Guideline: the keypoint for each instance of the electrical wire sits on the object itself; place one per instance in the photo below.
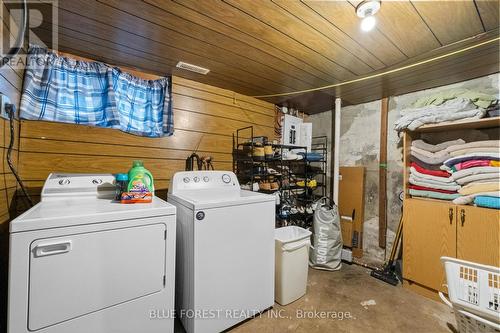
(446, 55)
(10, 111)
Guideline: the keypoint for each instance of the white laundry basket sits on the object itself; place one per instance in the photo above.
(292, 254)
(474, 292)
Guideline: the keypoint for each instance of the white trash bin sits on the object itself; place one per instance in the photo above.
(291, 263)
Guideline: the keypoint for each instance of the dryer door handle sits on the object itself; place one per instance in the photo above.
(49, 249)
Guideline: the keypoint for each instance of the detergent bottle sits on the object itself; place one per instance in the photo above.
(140, 179)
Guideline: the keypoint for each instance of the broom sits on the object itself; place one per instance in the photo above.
(388, 272)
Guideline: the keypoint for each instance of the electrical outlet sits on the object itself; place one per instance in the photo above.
(4, 99)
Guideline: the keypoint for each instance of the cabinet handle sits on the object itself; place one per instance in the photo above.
(450, 215)
(462, 216)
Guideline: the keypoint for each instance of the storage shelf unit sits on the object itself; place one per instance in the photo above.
(433, 228)
(460, 125)
(292, 196)
(320, 145)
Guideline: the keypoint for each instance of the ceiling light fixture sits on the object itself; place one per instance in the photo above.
(366, 10)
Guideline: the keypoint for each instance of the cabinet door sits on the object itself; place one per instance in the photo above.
(429, 232)
(478, 234)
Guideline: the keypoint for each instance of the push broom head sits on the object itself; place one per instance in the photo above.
(387, 275)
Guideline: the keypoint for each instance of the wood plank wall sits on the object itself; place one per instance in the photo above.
(10, 85)
(11, 80)
(205, 117)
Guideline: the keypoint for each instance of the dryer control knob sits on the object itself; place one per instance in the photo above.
(206, 179)
(196, 179)
(64, 181)
(226, 178)
(186, 180)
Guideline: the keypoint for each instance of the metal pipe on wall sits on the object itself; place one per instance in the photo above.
(335, 158)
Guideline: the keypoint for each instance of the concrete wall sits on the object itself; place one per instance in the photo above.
(360, 145)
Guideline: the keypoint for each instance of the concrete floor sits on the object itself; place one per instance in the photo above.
(341, 294)
(396, 309)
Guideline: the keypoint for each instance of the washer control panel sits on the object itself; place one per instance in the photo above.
(64, 185)
(191, 180)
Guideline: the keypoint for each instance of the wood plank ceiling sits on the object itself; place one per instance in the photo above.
(260, 47)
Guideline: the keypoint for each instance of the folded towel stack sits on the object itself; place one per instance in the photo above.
(445, 106)
(455, 170)
(426, 177)
(475, 166)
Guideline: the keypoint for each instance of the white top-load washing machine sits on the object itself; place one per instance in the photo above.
(81, 263)
(225, 250)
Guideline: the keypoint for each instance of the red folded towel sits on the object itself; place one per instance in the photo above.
(423, 188)
(471, 164)
(437, 173)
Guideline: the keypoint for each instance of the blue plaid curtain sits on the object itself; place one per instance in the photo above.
(91, 93)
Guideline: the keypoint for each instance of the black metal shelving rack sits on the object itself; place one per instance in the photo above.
(250, 170)
(319, 145)
(316, 169)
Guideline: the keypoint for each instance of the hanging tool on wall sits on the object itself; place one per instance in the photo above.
(194, 157)
(207, 163)
(201, 163)
(190, 162)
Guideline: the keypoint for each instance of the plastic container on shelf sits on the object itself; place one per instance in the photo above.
(291, 263)
(474, 292)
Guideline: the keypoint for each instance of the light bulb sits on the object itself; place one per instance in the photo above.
(368, 23)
